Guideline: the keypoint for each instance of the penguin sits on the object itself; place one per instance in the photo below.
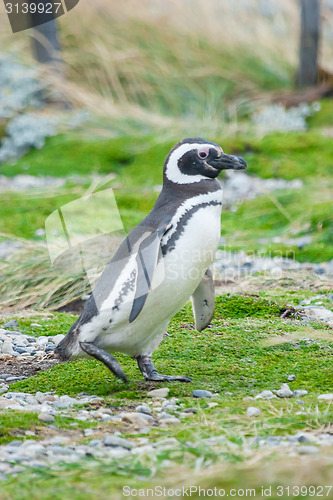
(162, 263)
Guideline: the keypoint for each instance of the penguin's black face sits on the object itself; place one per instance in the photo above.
(195, 159)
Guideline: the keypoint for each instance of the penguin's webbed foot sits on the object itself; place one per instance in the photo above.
(105, 357)
(150, 373)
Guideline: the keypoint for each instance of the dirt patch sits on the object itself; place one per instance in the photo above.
(17, 367)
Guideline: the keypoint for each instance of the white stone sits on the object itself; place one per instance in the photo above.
(307, 450)
(46, 417)
(299, 393)
(7, 348)
(170, 421)
(284, 392)
(326, 397)
(253, 411)
(265, 395)
(134, 418)
(57, 338)
(159, 393)
(117, 441)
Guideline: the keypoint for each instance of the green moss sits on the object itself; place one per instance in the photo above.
(284, 213)
(288, 155)
(287, 214)
(234, 354)
(51, 324)
(238, 306)
(13, 423)
(66, 155)
(323, 117)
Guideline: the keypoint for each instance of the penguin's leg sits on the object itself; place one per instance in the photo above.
(106, 358)
(149, 371)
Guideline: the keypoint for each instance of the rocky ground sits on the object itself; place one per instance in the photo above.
(64, 430)
(55, 446)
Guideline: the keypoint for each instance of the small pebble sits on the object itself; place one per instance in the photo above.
(284, 392)
(46, 417)
(135, 418)
(11, 324)
(291, 378)
(326, 397)
(159, 393)
(117, 441)
(307, 450)
(253, 411)
(143, 409)
(200, 393)
(299, 393)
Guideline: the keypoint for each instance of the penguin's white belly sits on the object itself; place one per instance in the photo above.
(176, 277)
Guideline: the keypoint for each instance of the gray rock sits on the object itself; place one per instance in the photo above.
(11, 324)
(58, 405)
(143, 409)
(89, 432)
(95, 442)
(303, 439)
(117, 441)
(168, 443)
(326, 397)
(14, 444)
(37, 464)
(163, 415)
(291, 378)
(284, 392)
(135, 418)
(265, 395)
(159, 393)
(46, 417)
(57, 338)
(7, 348)
(170, 421)
(200, 393)
(307, 450)
(299, 393)
(253, 411)
(20, 350)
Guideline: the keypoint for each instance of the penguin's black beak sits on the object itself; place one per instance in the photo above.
(228, 162)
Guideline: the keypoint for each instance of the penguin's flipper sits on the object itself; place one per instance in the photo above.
(203, 301)
(146, 260)
(106, 358)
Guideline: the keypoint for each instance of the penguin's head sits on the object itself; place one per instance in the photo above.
(195, 159)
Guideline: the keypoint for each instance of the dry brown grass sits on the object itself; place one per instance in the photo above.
(152, 61)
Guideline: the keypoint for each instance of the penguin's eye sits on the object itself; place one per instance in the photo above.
(203, 153)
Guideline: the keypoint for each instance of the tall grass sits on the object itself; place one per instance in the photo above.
(141, 62)
(159, 62)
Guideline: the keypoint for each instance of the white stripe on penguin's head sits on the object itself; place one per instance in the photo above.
(172, 169)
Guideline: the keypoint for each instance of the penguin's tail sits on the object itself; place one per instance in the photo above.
(69, 346)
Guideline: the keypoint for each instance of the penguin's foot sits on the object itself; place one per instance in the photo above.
(149, 372)
(106, 358)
